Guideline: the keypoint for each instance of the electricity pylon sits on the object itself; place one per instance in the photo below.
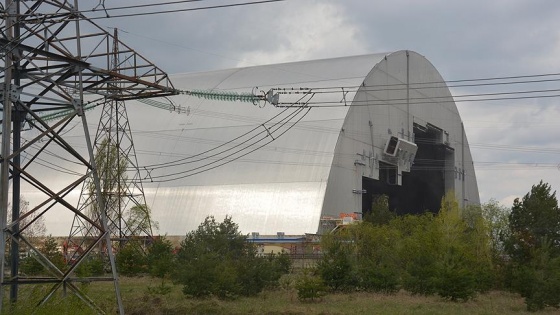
(55, 60)
(121, 185)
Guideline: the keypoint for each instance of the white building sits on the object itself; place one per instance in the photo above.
(362, 126)
(332, 161)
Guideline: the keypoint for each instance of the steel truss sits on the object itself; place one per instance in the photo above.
(56, 60)
(128, 216)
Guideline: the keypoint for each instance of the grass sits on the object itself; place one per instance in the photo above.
(138, 300)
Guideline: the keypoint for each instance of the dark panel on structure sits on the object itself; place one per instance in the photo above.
(422, 188)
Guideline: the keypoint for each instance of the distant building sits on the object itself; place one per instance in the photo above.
(378, 124)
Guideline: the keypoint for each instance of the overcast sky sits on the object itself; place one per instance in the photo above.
(463, 39)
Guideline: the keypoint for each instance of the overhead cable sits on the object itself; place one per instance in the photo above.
(181, 10)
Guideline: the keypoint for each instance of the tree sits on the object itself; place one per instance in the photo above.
(310, 287)
(492, 221)
(533, 221)
(111, 168)
(419, 252)
(533, 245)
(52, 252)
(216, 259)
(130, 260)
(464, 257)
(539, 280)
(139, 219)
(380, 212)
(336, 267)
(92, 265)
(496, 218)
(160, 260)
(36, 229)
(30, 265)
(447, 254)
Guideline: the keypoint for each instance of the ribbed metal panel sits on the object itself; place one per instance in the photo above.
(309, 171)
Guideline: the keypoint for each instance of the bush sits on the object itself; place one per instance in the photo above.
(160, 258)
(448, 254)
(419, 253)
(539, 282)
(217, 260)
(309, 287)
(379, 278)
(258, 273)
(30, 266)
(421, 274)
(131, 261)
(456, 284)
(335, 267)
(51, 251)
(92, 266)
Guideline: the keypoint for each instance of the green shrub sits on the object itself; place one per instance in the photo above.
(217, 260)
(336, 270)
(160, 258)
(421, 275)
(131, 261)
(51, 251)
(539, 283)
(456, 284)
(30, 266)
(379, 278)
(310, 287)
(419, 253)
(91, 266)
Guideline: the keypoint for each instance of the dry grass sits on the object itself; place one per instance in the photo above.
(139, 301)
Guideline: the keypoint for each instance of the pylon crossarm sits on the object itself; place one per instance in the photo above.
(133, 72)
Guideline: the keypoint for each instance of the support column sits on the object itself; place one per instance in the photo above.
(6, 140)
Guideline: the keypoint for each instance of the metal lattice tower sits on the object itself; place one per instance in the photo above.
(121, 185)
(56, 61)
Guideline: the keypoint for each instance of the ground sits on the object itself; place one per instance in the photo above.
(137, 300)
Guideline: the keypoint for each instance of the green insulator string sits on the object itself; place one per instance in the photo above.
(52, 115)
(223, 96)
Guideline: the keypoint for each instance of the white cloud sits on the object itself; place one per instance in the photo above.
(313, 30)
(507, 201)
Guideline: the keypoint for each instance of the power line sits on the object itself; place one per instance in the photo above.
(270, 132)
(182, 10)
(144, 5)
(418, 101)
(429, 85)
(224, 160)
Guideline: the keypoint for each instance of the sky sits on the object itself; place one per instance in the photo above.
(463, 40)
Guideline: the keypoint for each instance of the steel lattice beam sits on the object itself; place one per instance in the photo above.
(56, 60)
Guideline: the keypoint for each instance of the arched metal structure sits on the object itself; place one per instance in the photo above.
(326, 145)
